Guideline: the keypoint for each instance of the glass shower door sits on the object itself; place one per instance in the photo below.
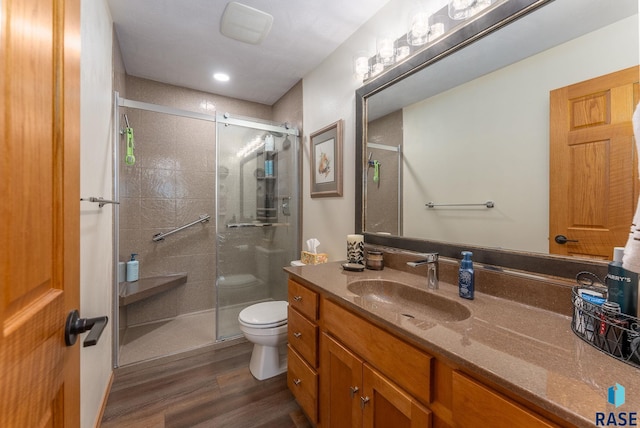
(257, 216)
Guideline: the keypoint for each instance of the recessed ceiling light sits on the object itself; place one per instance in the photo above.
(221, 77)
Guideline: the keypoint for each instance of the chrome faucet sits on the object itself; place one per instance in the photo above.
(431, 260)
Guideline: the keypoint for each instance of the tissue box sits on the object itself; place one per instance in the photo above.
(313, 258)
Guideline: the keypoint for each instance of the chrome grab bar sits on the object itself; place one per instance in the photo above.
(234, 225)
(101, 202)
(488, 204)
(160, 236)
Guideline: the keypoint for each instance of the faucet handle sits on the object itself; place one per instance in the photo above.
(431, 257)
(428, 258)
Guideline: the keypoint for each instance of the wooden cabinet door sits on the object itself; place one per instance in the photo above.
(39, 211)
(386, 405)
(592, 166)
(340, 385)
(477, 405)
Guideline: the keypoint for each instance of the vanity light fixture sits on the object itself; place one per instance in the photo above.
(418, 33)
(386, 49)
(375, 65)
(207, 105)
(361, 65)
(463, 9)
(255, 144)
(437, 26)
(402, 49)
(425, 26)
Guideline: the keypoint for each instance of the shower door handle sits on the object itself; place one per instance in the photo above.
(286, 210)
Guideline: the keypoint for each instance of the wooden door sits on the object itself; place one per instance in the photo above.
(340, 385)
(39, 211)
(387, 406)
(593, 164)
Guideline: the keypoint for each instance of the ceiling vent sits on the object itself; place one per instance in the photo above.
(244, 23)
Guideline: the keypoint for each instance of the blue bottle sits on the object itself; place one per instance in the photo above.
(465, 276)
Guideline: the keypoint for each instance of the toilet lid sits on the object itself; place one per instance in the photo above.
(265, 314)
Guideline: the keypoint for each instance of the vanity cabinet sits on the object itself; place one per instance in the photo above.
(302, 348)
(346, 371)
(474, 404)
(354, 394)
(368, 376)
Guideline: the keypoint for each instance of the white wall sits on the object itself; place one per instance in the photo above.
(95, 223)
(489, 140)
(329, 95)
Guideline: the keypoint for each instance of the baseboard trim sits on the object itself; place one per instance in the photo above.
(105, 398)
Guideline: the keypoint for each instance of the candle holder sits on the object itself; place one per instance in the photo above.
(355, 249)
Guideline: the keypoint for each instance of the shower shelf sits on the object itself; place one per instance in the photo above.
(131, 292)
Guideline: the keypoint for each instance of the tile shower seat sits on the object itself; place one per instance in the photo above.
(131, 292)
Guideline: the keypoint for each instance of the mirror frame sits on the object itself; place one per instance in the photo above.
(462, 36)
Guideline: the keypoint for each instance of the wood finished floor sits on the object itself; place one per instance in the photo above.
(210, 389)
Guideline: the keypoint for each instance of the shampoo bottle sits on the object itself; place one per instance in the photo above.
(269, 143)
(465, 276)
(622, 284)
(132, 269)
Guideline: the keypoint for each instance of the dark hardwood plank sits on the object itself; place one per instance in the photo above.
(209, 389)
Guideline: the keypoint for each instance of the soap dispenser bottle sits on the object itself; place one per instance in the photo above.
(466, 276)
(132, 269)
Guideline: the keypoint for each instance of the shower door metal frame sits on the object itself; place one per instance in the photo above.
(227, 119)
(156, 108)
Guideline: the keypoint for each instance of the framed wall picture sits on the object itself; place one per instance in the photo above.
(326, 161)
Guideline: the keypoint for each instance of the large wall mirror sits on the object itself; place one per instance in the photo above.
(467, 120)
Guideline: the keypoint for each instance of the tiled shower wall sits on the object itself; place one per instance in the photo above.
(171, 184)
(382, 197)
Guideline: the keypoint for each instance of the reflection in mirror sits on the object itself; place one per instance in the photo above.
(474, 126)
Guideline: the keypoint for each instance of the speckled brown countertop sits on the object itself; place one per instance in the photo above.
(528, 350)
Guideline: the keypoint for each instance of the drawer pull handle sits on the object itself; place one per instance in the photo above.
(297, 382)
(297, 335)
(363, 401)
(353, 390)
(297, 298)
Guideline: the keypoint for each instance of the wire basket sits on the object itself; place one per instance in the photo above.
(611, 332)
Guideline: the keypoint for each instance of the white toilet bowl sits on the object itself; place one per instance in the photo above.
(265, 325)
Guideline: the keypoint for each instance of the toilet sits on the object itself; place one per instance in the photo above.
(265, 325)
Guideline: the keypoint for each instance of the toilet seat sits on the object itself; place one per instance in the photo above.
(264, 315)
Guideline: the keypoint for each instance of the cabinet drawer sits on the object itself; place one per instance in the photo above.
(303, 300)
(409, 367)
(476, 405)
(303, 383)
(303, 337)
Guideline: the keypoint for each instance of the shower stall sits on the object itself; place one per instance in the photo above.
(210, 205)
(257, 212)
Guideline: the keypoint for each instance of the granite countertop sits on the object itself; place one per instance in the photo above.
(530, 351)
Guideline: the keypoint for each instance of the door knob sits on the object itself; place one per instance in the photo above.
(561, 239)
(76, 326)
